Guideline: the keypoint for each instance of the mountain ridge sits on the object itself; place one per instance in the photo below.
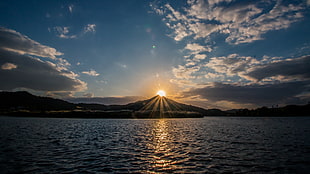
(22, 101)
(25, 104)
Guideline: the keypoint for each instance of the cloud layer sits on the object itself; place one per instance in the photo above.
(297, 68)
(234, 77)
(258, 82)
(13, 41)
(239, 21)
(22, 66)
(268, 94)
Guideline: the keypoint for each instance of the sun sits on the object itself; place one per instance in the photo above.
(161, 93)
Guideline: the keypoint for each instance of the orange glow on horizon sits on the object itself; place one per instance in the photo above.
(161, 93)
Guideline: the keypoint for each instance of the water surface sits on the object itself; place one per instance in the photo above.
(200, 145)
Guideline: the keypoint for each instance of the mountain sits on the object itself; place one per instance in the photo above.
(25, 104)
(24, 100)
(154, 104)
(14, 103)
(289, 110)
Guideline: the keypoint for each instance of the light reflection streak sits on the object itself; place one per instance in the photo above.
(161, 157)
(165, 154)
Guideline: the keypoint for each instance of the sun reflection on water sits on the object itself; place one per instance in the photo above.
(162, 157)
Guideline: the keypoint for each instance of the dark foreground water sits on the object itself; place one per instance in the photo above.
(204, 145)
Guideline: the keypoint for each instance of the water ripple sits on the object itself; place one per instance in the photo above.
(206, 145)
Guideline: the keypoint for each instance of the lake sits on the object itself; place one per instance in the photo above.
(198, 145)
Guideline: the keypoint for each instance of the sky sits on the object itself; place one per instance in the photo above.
(214, 54)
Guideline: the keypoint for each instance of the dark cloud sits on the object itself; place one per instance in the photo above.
(282, 93)
(20, 70)
(296, 68)
(35, 74)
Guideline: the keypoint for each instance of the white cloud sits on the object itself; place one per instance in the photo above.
(183, 72)
(90, 28)
(200, 22)
(241, 21)
(202, 30)
(63, 62)
(183, 82)
(70, 7)
(213, 76)
(8, 66)
(63, 32)
(199, 57)
(91, 73)
(13, 41)
(196, 48)
(231, 65)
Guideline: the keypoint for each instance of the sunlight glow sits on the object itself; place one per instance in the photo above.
(161, 93)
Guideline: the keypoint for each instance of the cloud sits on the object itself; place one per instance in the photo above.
(59, 94)
(199, 57)
(21, 70)
(202, 24)
(36, 74)
(214, 76)
(63, 32)
(281, 93)
(88, 95)
(91, 73)
(231, 65)
(13, 41)
(297, 68)
(239, 21)
(177, 22)
(183, 72)
(70, 7)
(279, 17)
(90, 28)
(8, 66)
(196, 48)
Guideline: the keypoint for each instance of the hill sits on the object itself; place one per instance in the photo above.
(14, 103)
(25, 104)
(24, 100)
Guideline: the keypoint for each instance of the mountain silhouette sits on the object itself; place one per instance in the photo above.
(25, 104)
(19, 102)
(27, 101)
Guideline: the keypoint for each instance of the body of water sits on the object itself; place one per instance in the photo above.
(200, 145)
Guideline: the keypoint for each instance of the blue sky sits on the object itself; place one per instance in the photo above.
(216, 54)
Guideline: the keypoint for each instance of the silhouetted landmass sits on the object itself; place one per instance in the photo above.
(290, 110)
(27, 105)
(24, 100)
